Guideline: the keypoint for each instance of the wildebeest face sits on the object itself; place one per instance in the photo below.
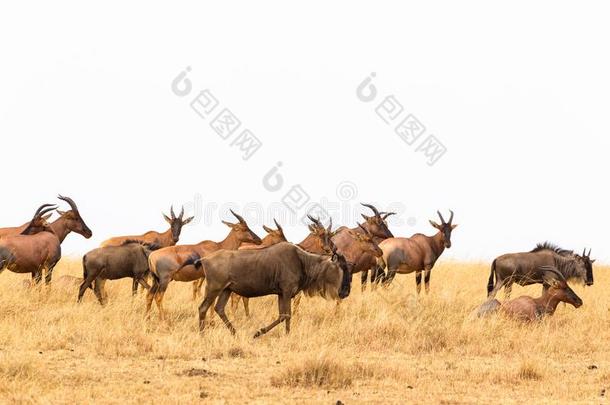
(587, 263)
(445, 228)
(346, 279)
(176, 223)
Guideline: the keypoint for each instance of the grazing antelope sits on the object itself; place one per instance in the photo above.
(283, 269)
(176, 262)
(377, 227)
(35, 249)
(417, 253)
(113, 263)
(273, 237)
(161, 239)
(524, 268)
(530, 309)
(16, 230)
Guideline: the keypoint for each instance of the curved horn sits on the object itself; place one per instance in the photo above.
(46, 210)
(441, 217)
(330, 226)
(171, 212)
(182, 213)
(372, 208)
(239, 218)
(42, 207)
(451, 217)
(314, 220)
(279, 228)
(387, 214)
(552, 269)
(69, 201)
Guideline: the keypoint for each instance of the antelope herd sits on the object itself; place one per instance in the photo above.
(243, 266)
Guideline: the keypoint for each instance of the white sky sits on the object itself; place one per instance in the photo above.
(518, 94)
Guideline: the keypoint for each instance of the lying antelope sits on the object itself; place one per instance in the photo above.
(176, 262)
(530, 309)
(283, 269)
(524, 268)
(417, 253)
(273, 237)
(160, 239)
(35, 252)
(113, 263)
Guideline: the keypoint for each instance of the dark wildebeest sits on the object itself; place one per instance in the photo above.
(524, 268)
(161, 239)
(526, 308)
(273, 237)
(377, 227)
(283, 270)
(113, 263)
(35, 249)
(417, 253)
(16, 230)
(174, 262)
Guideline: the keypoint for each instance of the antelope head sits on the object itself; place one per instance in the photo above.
(242, 231)
(273, 235)
(74, 221)
(176, 223)
(377, 225)
(366, 241)
(39, 221)
(559, 288)
(445, 228)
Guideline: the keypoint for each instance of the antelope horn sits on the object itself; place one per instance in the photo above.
(239, 218)
(42, 207)
(46, 210)
(451, 217)
(589, 255)
(182, 213)
(330, 226)
(69, 201)
(584, 252)
(171, 212)
(366, 231)
(387, 214)
(314, 220)
(279, 228)
(441, 216)
(552, 269)
(372, 208)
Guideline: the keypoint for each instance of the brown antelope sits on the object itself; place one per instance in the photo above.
(530, 309)
(161, 239)
(524, 268)
(176, 262)
(16, 230)
(377, 227)
(319, 240)
(283, 269)
(273, 237)
(417, 253)
(35, 249)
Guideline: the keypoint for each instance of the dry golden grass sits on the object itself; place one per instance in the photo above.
(384, 346)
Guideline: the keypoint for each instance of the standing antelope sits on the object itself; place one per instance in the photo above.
(417, 253)
(524, 268)
(160, 239)
(35, 249)
(273, 237)
(176, 262)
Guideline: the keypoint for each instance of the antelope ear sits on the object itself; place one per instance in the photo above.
(167, 219)
(187, 221)
(454, 226)
(434, 224)
(230, 225)
(267, 229)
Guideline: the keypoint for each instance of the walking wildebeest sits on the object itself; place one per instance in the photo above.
(35, 249)
(283, 269)
(113, 263)
(175, 262)
(164, 239)
(526, 308)
(417, 253)
(273, 237)
(16, 230)
(377, 227)
(524, 268)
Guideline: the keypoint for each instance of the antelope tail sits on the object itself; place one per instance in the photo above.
(490, 283)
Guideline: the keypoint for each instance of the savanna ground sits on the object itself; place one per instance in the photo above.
(383, 346)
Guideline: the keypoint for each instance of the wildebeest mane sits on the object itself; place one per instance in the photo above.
(552, 247)
(147, 245)
(314, 281)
